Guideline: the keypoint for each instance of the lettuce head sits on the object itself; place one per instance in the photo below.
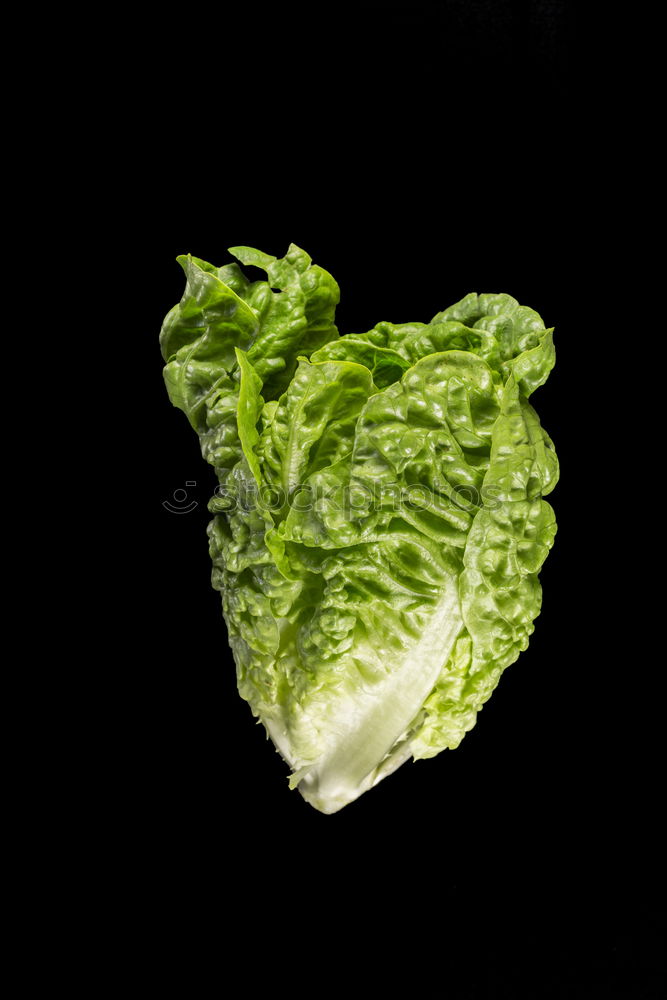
(379, 523)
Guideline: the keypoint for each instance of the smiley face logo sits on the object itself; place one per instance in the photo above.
(180, 504)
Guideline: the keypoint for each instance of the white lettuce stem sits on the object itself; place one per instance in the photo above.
(369, 725)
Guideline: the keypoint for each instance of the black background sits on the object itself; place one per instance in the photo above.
(417, 152)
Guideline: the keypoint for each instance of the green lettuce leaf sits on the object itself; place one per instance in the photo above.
(295, 308)
(221, 312)
(509, 337)
(379, 524)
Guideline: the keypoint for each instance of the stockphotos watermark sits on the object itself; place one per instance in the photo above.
(180, 502)
(354, 500)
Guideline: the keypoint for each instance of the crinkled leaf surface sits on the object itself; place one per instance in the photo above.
(380, 520)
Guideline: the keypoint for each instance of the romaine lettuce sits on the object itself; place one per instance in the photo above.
(379, 523)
